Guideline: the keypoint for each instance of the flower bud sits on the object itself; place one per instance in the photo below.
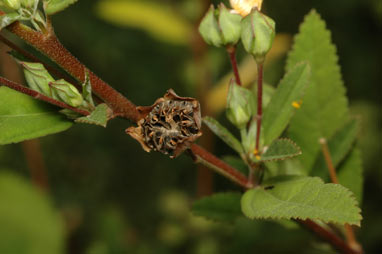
(257, 34)
(12, 4)
(66, 92)
(220, 27)
(240, 105)
(37, 77)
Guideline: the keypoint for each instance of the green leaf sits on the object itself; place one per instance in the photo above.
(325, 107)
(281, 149)
(219, 207)
(22, 117)
(155, 18)
(87, 89)
(281, 108)
(339, 146)
(223, 133)
(29, 223)
(299, 197)
(350, 173)
(99, 116)
(53, 6)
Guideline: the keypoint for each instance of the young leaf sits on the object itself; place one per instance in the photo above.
(223, 133)
(99, 116)
(281, 149)
(339, 146)
(9, 18)
(29, 222)
(299, 197)
(53, 6)
(325, 106)
(350, 173)
(22, 117)
(87, 89)
(220, 206)
(281, 108)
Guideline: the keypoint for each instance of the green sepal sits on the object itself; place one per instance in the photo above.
(281, 149)
(223, 134)
(99, 116)
(230, 26)
(209, 29)
(66, 92)
(257, 34)
(53, 6)
(240, 105)
(12, 4)
(87, 90)
(9, 18)
(37, 77)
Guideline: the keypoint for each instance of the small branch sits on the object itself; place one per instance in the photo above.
(200, 155)
(259, 115)
(328, 159)
(35, 162)
(39, 96)
(349, 233)
(232, 57)
(328, 236)
(48, 44)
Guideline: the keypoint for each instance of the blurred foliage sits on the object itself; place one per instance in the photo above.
(115, 197)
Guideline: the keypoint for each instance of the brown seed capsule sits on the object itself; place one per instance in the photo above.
(169, 126)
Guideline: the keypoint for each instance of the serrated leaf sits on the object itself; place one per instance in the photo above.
(299, 197)
(23, 117)
(325, 106)
(350, 173)
(29, 223)
(99, 116)
(281, 149)
(223, 133)
(339, 146)
(220, 206)
(280, 109)
(53, 6)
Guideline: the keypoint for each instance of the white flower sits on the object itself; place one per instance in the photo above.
(244, 7)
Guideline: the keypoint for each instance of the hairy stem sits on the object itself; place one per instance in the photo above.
(349, 233)
(200, 155)
(48, 44)
(39, 96)
(259, 115)
(232, 57)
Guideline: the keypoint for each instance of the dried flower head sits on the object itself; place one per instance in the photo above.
(169, 126)
(244, 7)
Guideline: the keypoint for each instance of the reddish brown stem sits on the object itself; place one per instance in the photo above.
(202, 156)
(35, 162)
(349, 233)
(232, 57)
(329, 237)
(39, 96)
(259, 115)
(49, 45)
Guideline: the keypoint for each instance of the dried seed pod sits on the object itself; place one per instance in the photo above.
(169, 126)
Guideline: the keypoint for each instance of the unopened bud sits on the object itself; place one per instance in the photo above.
(257, 34)
(240, 105)
(220, 27)
(37, 77)
(66, 92)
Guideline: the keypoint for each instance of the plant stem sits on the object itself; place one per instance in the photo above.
(200, 155)
(259, 115)
(231, 49)
(48, 44)
(329, 237)
(39, 96)
(349, 233)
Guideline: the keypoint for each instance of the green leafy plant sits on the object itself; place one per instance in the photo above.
(305, 124)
